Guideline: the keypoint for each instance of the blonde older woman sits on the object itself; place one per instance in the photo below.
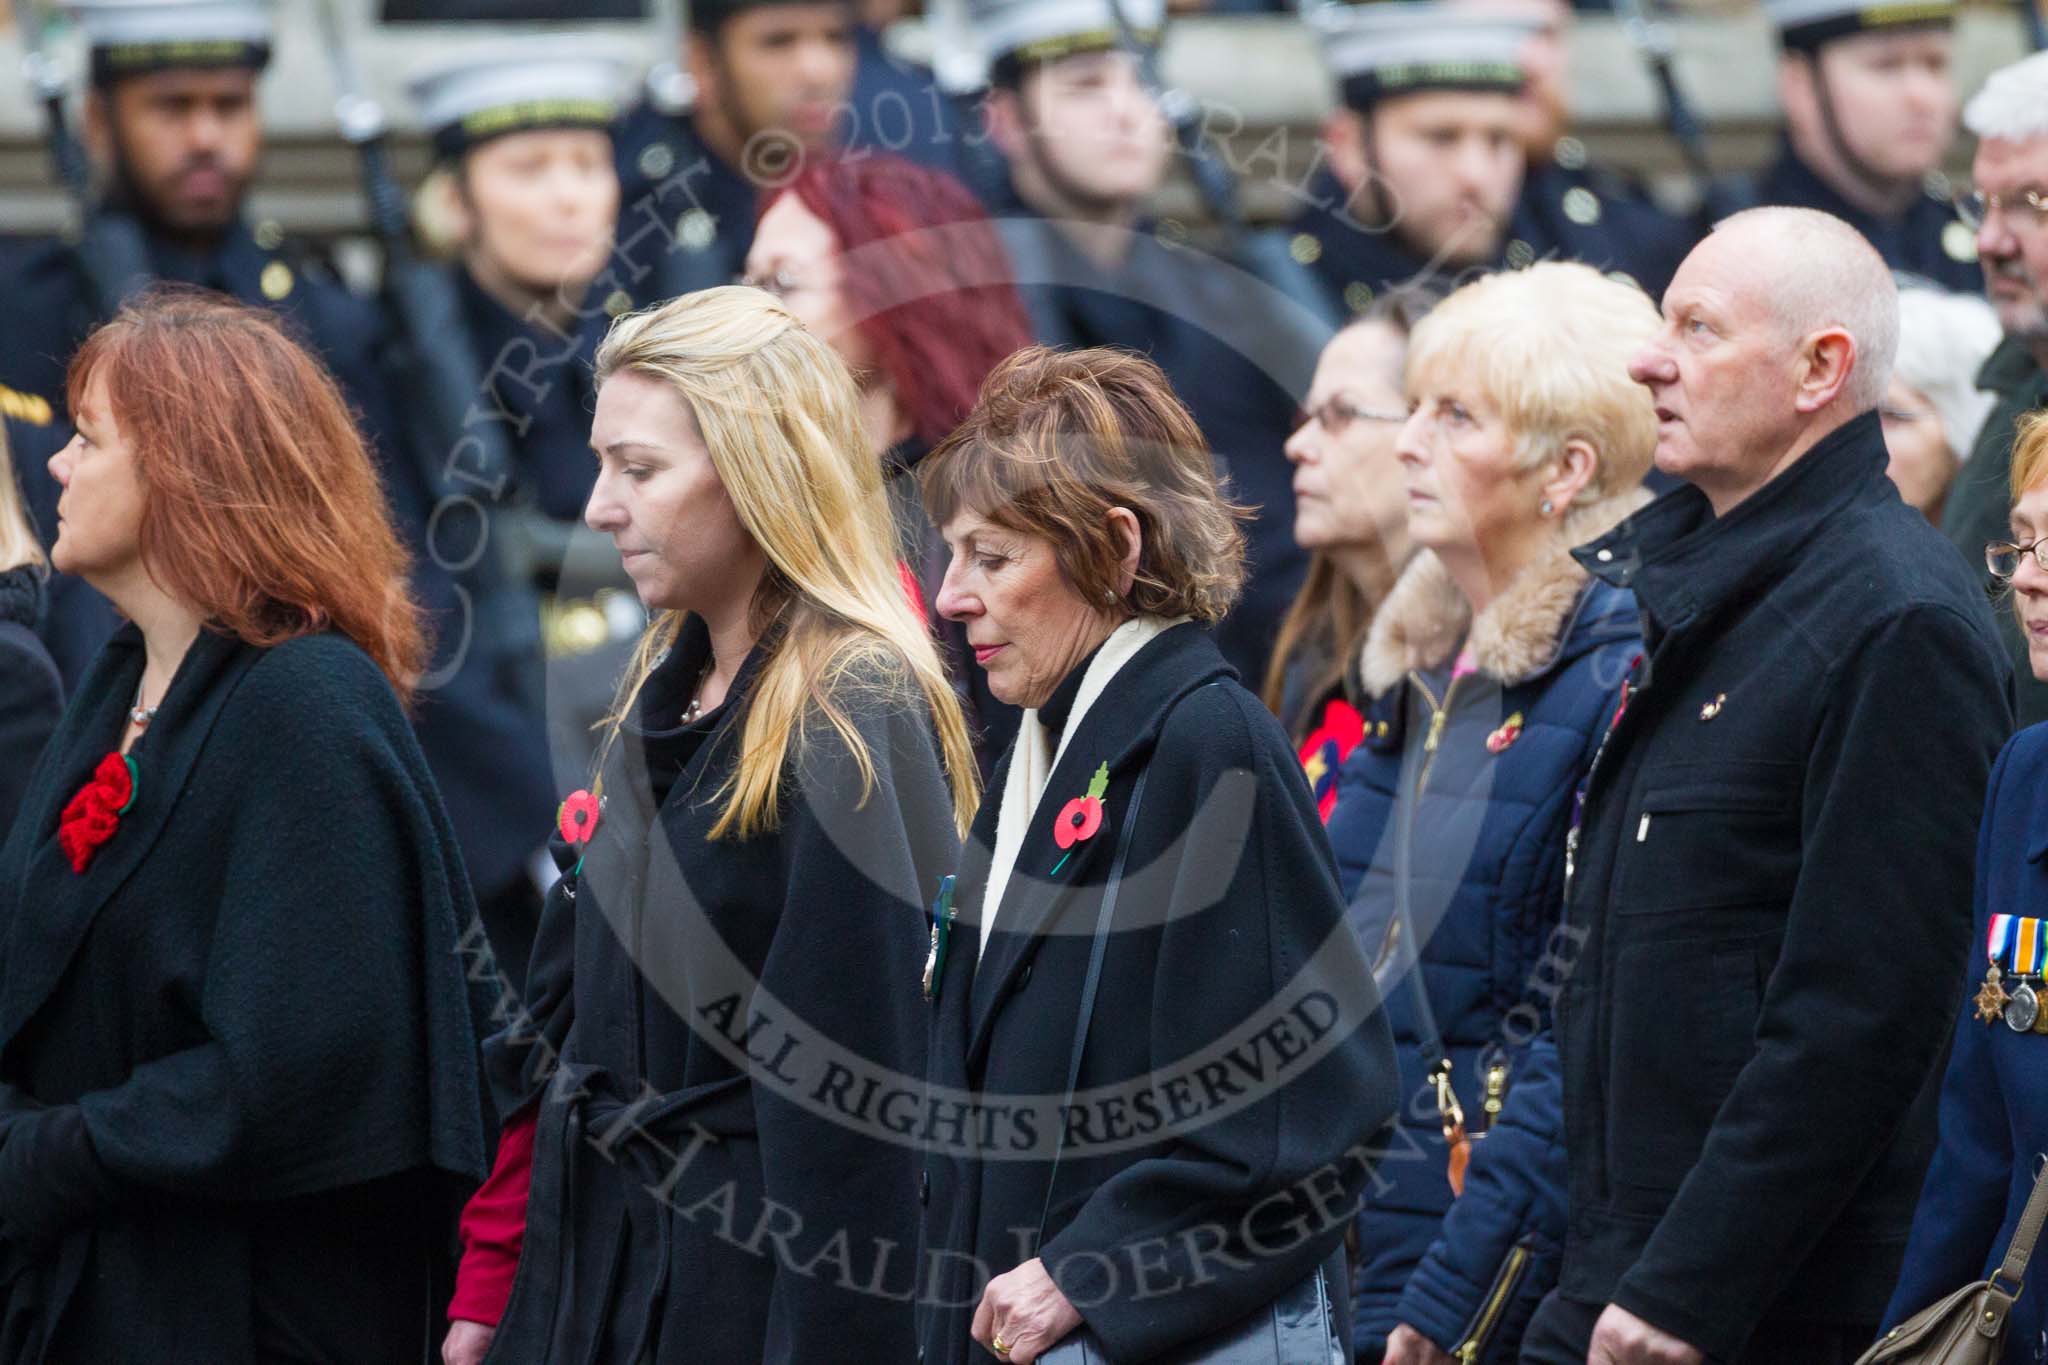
(1491, 669)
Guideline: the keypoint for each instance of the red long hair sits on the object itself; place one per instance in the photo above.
(263, 510)
(931, 285)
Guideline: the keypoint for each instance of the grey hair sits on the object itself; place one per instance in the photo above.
(1824, 273)
(1944, 339)
(2013, 105)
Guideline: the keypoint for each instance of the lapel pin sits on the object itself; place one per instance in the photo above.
(1510, 730)
(92, 816)
(1713, 708)
(943, 915)
(1081, 817)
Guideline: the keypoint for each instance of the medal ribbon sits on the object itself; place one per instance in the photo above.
(2018, 943)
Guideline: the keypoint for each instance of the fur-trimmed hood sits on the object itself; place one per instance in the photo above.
(1518, 634)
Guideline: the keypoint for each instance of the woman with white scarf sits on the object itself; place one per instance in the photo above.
(1157, 1060)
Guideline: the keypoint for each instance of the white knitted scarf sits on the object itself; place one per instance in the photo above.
(1033, 758)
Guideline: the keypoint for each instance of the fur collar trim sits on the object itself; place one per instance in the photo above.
(1515, 637)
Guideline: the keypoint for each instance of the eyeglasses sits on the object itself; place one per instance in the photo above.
(2026, 208)
(2004, 559)
(1334, 415)
(780, 283)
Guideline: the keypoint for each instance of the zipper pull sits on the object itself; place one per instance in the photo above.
(1643, 829)
(1496, 1091)
(1436, 729)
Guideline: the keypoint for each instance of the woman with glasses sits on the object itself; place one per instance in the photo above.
(1994, 1100)
(1491, 670)
(1351, 515)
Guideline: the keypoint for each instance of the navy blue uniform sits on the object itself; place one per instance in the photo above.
(1354, 262)
(1928, 239)
(1198, 320)
(898, 108)
(483, 720)
(1994, 1109)
(686, 217)
(1572, 210)
(51, 312)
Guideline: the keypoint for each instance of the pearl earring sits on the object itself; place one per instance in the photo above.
(1547, 507)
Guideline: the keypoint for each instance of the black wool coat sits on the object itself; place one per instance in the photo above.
(707, 1026)
(1238, 1066)
(31, 693)
(1771, 889)
(240, 1085)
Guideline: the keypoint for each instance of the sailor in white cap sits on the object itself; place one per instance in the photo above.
(1088, 147)
(1422, 159)
(1870, 113)
(172, 124)
(522, 134)
(1572, 207)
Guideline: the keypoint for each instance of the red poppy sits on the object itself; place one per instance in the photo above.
(91, 817)
(1079, 819)
(577, 818)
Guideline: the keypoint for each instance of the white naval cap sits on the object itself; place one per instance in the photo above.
(1397, 47)
(1044, 30)
(127, 37)
(1806, 24)
(513, 85)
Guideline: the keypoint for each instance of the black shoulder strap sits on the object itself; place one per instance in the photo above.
(1089, 984)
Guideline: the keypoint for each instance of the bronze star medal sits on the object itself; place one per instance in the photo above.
(1991, 997)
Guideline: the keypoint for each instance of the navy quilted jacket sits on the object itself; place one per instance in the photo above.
(1462, 792)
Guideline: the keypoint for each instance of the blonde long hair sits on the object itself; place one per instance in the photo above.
(18, 543)
(779, 414)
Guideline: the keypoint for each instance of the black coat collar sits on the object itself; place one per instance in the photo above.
(1120, 729)
(42, 943)
(1684, 563)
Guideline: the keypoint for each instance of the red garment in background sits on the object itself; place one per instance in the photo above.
(1326, 748)
(493, 1226)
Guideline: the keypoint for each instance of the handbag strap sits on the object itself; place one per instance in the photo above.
(1089, 984)
(2021, 1248)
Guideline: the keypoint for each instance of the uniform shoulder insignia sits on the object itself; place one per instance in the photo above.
(31, 408)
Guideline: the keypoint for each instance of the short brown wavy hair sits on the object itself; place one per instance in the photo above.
(1059, 438)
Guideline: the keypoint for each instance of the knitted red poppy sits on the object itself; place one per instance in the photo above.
(92, 816)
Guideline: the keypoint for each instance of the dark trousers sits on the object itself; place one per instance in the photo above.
(1562, 1332)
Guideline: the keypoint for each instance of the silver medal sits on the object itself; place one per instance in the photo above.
(2023, 1009)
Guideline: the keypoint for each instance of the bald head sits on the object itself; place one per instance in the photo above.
(1815, 272)
(1778, 328)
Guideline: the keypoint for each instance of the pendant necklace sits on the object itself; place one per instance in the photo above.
(139, 715)
(696, 706)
